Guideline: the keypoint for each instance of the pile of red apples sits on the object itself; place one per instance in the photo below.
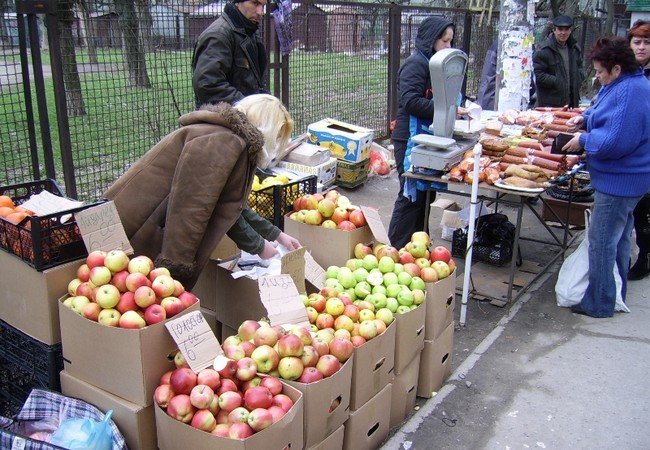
(332, 210)
(119, 291)
(233, 402)
(291, 353)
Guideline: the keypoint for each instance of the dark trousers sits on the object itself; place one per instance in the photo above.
(642, 225)
(408, 216)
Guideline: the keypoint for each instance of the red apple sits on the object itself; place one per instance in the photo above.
(163, 285)
(119, 280)
(290, 345)
(222, 430)
(283, 401)
(100, 275)
(230, 400)
(248, 384)
(273, 384)
(225, 366)
(248, 348)
(141, 264)
(310, 375)
(246, 369)
(91, 311)
(95, 259)
(240, 431)
(429, 274)
(126, 303)
(309, 356)
(83, 272)
(340, 215)
(346, 225)
(290, 368)
(164, 379)
(162, 395)
(265, 336)
(172, 306)
(258, 397)
(183, 380)
(109, 317)
(238, 415)
(357, 218)
(328, 365)
(226, 385)
(116, 260)
(440, 253)
(259, 419)
(342, 349)
(357, 341)
(247, 329)
(180, 408)
(144, 296)
(201, 396)
(154, 314)
(188, 299)
(135, 280)
(277, 413)
(131, 320)
(204, 420)
(209, 377)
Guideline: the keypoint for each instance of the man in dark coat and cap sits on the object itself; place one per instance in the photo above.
(557, 64)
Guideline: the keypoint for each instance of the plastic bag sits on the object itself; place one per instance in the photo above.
(379, 160)
(573, 278)
(84, 434)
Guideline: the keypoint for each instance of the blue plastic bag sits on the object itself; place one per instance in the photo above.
(85, 434)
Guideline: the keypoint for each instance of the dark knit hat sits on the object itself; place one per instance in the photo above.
(238, 1)
(563, 21)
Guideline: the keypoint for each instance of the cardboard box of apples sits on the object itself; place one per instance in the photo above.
(231, 407)
(112, 323)
(318, 365)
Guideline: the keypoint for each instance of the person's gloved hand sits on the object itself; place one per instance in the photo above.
(269, 251)
(290, 243)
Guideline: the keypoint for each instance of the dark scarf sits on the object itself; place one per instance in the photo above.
(257, 52)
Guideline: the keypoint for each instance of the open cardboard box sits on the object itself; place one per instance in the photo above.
(440, 302)
(136, 423)
(374, 364)
(327, 404)
(435, 364)
(344, 140)
(405, 386)
(238, 299)
(127, 363)
(286, 433)
(409, 336)
(368, 426)
(29, 299)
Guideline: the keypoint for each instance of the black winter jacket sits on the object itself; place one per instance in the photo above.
(554, 86)
(413, 81)
(228, 63)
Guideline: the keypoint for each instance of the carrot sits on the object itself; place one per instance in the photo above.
(513, 159)
(517, 151)
(549, 156)
(555, 127)
(565, 114)
(546, 163)
(535, 145)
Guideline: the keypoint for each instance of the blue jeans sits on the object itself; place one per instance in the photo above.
(609, 242)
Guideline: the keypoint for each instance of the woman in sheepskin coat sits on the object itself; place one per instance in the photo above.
(178, 200)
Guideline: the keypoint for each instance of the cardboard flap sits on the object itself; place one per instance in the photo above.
(195, 340)
(293, 264)
(101, 228)
(314, 273)
(375, 224)
(345, 127)
(280, 297)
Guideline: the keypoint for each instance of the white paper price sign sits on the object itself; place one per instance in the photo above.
(195, 340)
(101, 228)
(375, 224)
(314, 273)
(280, 297)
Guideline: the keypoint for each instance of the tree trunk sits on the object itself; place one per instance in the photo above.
(73, 95)
(133, 53)
(515, 54)
(146, 24)
(5, 39)
(87, 30)
(609, 22)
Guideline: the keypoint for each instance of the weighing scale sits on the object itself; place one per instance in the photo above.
(440, 151)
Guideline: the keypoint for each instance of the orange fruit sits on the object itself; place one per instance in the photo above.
(25, 210)
(6, 210)
(16, 217)
(5, 200)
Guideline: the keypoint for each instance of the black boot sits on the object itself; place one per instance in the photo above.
(641, 267)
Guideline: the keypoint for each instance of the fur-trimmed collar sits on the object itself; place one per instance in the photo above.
(225, 115)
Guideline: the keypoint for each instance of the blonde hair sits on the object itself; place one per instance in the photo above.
(268, 115)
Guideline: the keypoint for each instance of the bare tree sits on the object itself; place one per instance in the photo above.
(73, 95)
(86, 26)
(133, 52)
(146, 23)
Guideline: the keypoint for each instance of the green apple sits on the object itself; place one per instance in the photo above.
(360, 274)
(362, 289)
(390, 278)
(405, 298)
(385, 315)
(404, 278)
(392, 304)
(370, 262)
(386, 264)
(346, 278)
(399, 268)
(417, 283)
(402, 309)
(332, 272)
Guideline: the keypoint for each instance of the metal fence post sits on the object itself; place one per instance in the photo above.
(394, 53)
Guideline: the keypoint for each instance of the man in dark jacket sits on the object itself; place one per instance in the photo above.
(230, 60)
(557, 64)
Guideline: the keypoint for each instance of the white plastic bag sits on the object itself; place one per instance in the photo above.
(573, 278)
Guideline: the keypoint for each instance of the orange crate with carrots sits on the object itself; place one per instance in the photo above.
(41, 241)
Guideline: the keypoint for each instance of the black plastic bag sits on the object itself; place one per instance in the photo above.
(494, 229)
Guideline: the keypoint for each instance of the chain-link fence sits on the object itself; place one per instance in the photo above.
(116, 76)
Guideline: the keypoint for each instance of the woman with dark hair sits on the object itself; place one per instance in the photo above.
(616, 142)
(639, 38)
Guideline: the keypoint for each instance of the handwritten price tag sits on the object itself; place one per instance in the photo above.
(101, 228)
(280, 297)
(195, 340)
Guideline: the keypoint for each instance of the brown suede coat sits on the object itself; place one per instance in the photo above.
(184, 194)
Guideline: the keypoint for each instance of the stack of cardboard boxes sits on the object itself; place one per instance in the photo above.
(350, 144)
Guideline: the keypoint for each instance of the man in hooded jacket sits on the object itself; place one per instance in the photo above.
(414, 115)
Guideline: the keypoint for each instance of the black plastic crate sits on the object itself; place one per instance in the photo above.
(42, 241)
(26, 363)
(274, 202)
(498, 254)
